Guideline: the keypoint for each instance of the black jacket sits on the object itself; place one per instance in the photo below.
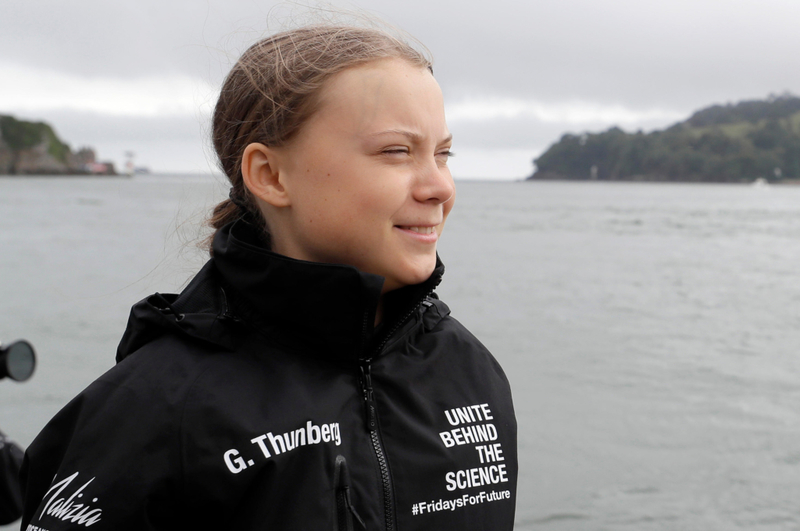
(262, 398)
(10, 495)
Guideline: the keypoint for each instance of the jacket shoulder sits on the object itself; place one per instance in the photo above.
(119, 442)
(439, 320)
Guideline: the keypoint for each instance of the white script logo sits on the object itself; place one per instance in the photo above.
(65, 508)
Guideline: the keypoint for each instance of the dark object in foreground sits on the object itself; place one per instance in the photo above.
(17, 361)
(10, 492)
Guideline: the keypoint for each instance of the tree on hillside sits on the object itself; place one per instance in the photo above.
(20, 135)
(720, 143)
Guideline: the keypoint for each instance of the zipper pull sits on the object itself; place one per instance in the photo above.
(369, 402)
(346, 515)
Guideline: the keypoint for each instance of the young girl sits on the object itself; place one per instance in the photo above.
(308, 377)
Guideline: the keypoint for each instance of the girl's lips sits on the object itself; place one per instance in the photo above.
(421, 230)
(425, 233)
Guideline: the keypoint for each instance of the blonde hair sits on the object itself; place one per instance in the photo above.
(274, 88)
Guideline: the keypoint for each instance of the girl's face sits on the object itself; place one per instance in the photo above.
(367, 178)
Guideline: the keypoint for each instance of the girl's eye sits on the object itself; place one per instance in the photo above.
(443, 156)
(395, 151)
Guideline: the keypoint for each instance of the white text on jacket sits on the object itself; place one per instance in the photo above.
(473, 428)
(65, 508)
(270, 444)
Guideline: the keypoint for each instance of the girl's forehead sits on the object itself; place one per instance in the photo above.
(381, 93)
(387, 78)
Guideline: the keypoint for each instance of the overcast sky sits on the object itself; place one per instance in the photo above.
(516, 74)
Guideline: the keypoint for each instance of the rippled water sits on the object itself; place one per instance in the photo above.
(650, 331)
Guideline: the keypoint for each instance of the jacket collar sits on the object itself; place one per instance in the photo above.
(325, 307)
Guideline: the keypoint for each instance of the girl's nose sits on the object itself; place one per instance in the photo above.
(435, 184)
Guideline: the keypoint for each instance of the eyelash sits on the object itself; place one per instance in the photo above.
(447, 153)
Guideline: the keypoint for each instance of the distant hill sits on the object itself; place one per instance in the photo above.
(721, 143)
(30, 148)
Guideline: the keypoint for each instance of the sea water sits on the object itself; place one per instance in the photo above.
(650, 331)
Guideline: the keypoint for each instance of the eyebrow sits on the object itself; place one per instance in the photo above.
(415, 137)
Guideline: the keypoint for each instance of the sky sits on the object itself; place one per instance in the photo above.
(516, 75)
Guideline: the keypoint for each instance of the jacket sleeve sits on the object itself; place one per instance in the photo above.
(108, 460)
(10, 493)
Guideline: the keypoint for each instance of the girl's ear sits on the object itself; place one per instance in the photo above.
(262, 178)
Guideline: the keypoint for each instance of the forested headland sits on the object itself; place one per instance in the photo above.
(758, 139)
(33, 148)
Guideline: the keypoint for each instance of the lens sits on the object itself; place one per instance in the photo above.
(20, 361)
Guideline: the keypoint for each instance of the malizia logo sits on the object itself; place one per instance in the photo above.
(58, 505)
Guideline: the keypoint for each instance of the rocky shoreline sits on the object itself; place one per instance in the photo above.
(33, 148)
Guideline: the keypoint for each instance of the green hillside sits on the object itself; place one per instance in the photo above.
(33, 148)
(721, 143)
(19, 135)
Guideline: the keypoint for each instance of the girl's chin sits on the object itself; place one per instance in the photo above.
(409, 278)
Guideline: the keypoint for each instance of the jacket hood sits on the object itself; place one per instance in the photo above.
(323, 307)
(200, 312)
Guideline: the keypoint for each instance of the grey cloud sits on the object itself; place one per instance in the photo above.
(677, 55)
(526, 133)
(179, 143)
(85, 128)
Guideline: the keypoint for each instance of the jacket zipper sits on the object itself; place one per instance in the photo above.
(371, 416)
(372, 427)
